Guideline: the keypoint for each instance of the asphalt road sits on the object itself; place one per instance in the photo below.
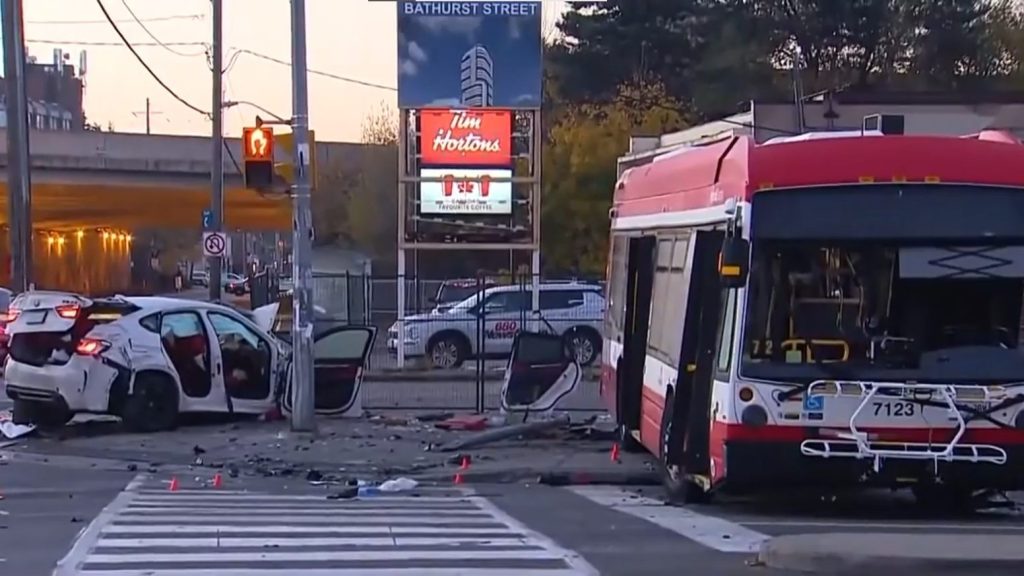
(290, 527)
(44, 507)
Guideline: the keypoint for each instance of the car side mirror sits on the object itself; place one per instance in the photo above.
(734, 262)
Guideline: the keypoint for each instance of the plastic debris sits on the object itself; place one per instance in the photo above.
(11, 430)
(398, 485)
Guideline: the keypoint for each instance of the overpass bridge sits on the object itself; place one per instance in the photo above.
(90, 180)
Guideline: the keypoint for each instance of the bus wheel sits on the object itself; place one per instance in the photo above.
(679, 488)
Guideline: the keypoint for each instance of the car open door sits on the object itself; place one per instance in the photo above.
(339, 357)
(542, 372)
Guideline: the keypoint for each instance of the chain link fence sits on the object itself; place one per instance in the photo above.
(456, 334)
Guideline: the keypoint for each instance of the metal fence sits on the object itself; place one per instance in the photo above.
(456, 347)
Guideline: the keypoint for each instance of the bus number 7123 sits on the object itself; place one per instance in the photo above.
(895, 409)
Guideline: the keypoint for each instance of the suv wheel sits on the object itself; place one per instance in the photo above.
(585, 344)
(152, 405)
(447, 351)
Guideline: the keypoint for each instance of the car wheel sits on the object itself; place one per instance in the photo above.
(448, 351)
(585, 344)
(153, 404)
(42, 415)
(679, 488)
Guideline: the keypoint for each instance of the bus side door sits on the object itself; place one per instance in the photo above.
(696, 360)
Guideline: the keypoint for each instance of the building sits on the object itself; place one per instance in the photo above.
(55, 94)
(925, 113)
(477, 74)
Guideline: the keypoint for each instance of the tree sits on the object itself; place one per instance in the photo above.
(381, 126)
(579, 171)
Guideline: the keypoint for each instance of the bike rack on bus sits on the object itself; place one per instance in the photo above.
(858, 444)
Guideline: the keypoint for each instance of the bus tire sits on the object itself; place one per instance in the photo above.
(679, 488)
(152, 405)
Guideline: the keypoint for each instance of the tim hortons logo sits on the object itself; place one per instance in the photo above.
(463, 135)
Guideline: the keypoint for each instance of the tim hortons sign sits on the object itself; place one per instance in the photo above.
(465, 138)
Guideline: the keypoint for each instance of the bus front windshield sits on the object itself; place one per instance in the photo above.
(820, 310)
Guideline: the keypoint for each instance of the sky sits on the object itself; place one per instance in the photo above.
(355, 39)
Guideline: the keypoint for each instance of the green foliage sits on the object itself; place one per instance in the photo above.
(579, 171)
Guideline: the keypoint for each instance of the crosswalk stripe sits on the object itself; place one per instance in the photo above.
(318, 556)
(157, 512)
(308, 519)
(296, 542)
(451, 532)
(287, 529)
(710, 531)
(469, 571)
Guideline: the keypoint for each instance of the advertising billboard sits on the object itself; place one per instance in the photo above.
(472, 54)
(465, 137)
(466, 191)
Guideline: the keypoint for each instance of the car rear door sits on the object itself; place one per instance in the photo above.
(541, 373)
(339, 359)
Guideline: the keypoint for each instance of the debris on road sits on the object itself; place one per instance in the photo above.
(504, 433)
(11, 430)
(398, 485)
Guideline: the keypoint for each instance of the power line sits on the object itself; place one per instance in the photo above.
(153, 36)
(118, 44)
(146, 66)
(151, 19)
(319, 72)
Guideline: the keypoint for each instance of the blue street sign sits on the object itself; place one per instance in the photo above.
(207, 219)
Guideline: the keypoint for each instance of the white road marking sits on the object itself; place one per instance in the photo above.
(234, 533)
(344, 572)
(710, 531)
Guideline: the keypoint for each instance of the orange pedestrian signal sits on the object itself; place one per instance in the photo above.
(259, 143)
(258, 148)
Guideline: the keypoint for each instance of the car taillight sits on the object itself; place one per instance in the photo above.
(91, 347)
(68, 311)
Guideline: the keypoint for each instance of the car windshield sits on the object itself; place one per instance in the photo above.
(454, 293)
(819, 310)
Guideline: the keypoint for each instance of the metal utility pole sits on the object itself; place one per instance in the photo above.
(19, 170)
(217, 144)
(303, 413)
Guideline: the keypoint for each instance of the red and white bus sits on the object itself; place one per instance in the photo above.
(822, 311)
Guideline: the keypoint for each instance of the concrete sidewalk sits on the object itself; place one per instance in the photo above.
(368, 449)
(896, 554)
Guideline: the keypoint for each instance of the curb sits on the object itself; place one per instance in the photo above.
(838, 554)
(565, 478)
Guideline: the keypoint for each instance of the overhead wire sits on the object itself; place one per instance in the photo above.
(149, 19)
(156, 77)
(338, 77)
(153, 36)
(49, 41)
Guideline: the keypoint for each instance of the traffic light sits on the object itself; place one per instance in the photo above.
(258, 144)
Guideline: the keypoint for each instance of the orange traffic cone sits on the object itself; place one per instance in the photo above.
(457, 479)
(173, 486)
(615, 452)
(218, 481)
(465, 463)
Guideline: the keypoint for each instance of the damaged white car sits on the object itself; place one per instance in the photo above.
(148, 360)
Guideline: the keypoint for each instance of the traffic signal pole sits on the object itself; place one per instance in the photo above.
(19, 177)
(217, 144)
(303, 418)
